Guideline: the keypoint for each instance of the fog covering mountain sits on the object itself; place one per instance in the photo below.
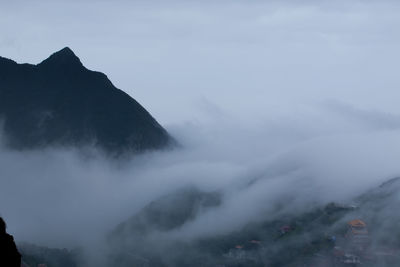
(220, 199)
(143, 239)
(194, 205)
(308, 241)
(287, 113)
(61, 103)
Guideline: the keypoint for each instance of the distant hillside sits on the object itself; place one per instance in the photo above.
(169, 212)
(33, 255)
(60, 102)
(318, 236)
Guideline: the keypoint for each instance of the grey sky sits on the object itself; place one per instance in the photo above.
(244, 58)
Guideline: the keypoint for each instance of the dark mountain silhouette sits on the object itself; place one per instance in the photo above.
(60, 102)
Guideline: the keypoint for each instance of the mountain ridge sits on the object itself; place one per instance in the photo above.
(61, 102)
(62, 58)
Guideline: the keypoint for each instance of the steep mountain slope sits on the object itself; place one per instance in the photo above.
(60, 102)
(314, 237)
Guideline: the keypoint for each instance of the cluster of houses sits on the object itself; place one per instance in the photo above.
(354, 249)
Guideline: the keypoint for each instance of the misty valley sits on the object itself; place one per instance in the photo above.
(260, 148)
(321, 236)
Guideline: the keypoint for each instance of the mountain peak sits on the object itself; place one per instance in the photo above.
(60, 102)
(66, 51)
(65, 57)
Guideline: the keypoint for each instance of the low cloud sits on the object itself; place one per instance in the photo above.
(63, 198)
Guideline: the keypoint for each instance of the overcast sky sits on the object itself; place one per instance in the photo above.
(189, 60)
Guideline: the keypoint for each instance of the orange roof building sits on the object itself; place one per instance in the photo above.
(357, 223)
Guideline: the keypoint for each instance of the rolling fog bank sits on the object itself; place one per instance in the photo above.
(279, 107)
(65, 198)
